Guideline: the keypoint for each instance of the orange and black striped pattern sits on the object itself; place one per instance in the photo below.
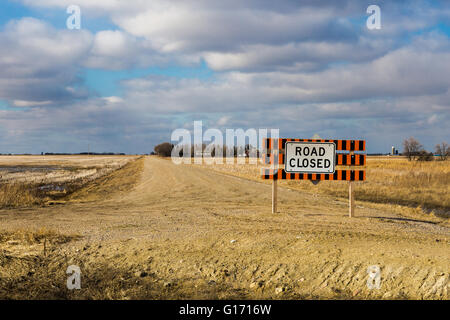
(349, 175)
(341, 145)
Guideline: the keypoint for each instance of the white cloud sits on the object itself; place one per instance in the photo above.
(223, 121)
(23, 103)
(113, 99)
(35, 56)
(295, 57)
(117, 50)
(407, 72)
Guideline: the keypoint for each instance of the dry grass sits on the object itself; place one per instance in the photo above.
(118, 181)
(18, 195)
(31, 237)
(411, 183)
(389, 180)
(29, 263)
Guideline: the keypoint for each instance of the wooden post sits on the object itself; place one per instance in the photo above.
(351, 197)
(276, 167)
(274, 196)
(351, 200)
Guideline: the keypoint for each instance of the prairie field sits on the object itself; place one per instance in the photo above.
(145, 228)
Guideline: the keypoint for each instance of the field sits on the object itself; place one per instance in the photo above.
(148, 229)
(28, 180)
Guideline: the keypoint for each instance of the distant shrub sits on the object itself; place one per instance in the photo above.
(164, 149)
(425, 156)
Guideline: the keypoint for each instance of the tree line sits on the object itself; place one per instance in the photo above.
(165, 150)
(414, 150)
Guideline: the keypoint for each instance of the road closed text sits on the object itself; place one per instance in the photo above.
(310, 157)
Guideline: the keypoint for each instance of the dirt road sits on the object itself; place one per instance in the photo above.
(189, 232)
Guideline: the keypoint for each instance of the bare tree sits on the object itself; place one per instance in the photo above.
(412, 148)
(443, 150)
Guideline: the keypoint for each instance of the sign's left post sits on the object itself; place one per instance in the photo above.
(274, 195)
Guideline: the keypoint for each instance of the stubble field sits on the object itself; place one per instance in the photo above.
(36, 180)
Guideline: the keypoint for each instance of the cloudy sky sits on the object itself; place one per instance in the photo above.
(138, 69)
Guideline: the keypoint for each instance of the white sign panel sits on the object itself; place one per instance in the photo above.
(310, 157)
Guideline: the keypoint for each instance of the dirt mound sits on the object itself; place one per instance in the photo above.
(121, 180)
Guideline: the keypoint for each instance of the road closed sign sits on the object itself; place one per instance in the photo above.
(310, 157)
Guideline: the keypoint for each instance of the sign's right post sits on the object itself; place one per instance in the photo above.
(351, 196)
(274, 196)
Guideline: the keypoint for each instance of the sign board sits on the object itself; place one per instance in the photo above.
(310, 157)
(314, 160)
